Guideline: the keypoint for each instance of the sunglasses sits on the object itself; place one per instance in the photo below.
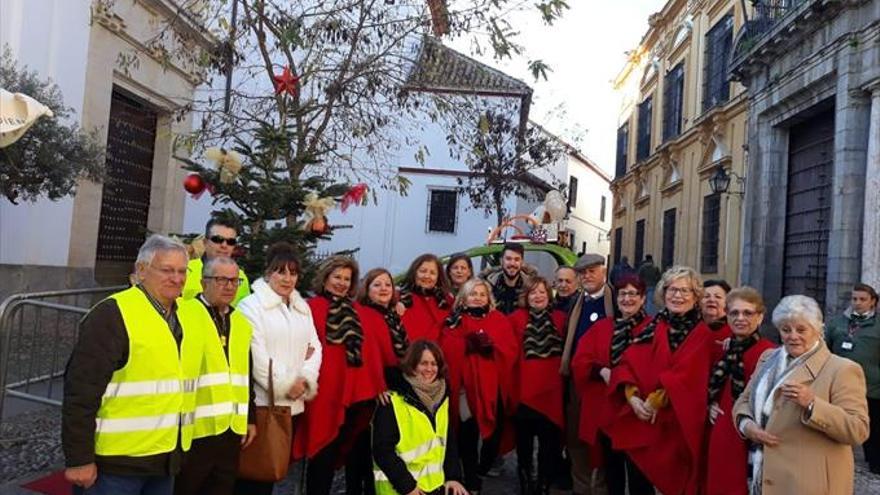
(216, 239)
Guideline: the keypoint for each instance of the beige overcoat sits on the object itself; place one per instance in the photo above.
(814, 456)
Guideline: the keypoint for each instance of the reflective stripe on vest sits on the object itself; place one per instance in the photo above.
(222, 393)
(422, 447)
(144, 406)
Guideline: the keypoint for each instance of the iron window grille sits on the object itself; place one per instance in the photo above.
(640, 242)
(711, 233)
(668, 238)
(618, 241)
(643, 145)
(602, 209)
(719, 42)
(673, 101)
(622, 145)
(572, 192)
(442, 210)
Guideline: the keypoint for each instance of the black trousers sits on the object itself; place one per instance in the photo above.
(321, 468)
(476, 460)
(872, 444)
(210, 466)
(620, 471)
(531, 424)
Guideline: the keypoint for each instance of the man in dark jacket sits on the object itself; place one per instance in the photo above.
(593, 302)
(509, 281)
(113, 442)
(566, 285)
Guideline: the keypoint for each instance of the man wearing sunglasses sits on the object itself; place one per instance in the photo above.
(220, 241)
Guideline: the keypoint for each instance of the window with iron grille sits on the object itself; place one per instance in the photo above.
(719, 41)
(643, 146)
(602, 209)
(572, 192)
(442, 208)
(622, 145)
(618, 241)
(711, 231)
(640, 242)
(673, 101)
(668, 238)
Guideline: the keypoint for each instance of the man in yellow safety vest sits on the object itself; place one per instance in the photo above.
(221, 238)
(129, 389)
(224, 417)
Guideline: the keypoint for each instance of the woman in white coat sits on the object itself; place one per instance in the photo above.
(285, 334)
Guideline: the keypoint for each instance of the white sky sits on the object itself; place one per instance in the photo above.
(585, 50)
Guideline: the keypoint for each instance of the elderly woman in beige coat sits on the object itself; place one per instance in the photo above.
(803, 410)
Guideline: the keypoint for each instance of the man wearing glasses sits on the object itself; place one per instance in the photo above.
(220, 240)
(224, 413)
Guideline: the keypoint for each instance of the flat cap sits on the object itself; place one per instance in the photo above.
(588, 260)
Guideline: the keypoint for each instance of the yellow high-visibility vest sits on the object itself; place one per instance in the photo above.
(422, 447)
(222, 388)
(150, 401)
(193, 285)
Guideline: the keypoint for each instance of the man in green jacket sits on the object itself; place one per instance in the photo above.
(221, 238)
(856, 335)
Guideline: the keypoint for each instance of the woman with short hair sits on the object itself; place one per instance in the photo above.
(414, 447)
(480, 350)
(660, 374)
(351, 378)
(376, 305)
(803, 410)
(727, 453)
(459, 269)
(598, 354)
(538, 390)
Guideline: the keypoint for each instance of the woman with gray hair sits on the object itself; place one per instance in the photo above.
(661, 374)
(803, 409)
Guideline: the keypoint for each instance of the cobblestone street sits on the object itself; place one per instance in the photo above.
(30, 446)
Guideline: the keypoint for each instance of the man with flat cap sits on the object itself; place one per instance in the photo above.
(593, 302)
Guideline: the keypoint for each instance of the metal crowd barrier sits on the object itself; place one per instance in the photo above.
(37, 333)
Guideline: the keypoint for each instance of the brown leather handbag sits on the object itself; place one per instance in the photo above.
(267, 458)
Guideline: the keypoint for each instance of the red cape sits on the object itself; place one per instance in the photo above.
(667, 451)
(727, 453)
(485, 380)
(373, 322)
(539, 385)
(600, 405)
(720, 336)
(424, 319)
(339, 386)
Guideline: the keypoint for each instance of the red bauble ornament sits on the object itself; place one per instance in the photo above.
(194, 184)
(319, 226)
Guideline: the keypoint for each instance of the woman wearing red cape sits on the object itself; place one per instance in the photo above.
(660, 374)
(425, 298)
(481, 351)
(538, 391)
(727, 459)
(351, 378)
(598, 354)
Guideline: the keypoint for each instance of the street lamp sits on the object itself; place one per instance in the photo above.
(720, 182)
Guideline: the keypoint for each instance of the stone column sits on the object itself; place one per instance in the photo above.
(871, 236)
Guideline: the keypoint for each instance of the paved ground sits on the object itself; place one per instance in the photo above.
(30, 448)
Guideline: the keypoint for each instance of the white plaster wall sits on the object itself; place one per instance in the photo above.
(52, 38)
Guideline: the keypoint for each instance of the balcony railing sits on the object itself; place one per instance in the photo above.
(766, 16)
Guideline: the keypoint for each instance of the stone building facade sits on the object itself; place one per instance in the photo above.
(681, 124)
(812, 207)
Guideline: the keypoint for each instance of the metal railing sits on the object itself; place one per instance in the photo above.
(37, 334)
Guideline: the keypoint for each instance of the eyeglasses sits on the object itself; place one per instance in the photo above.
(629, 293)
(746, 313)
(216, 239)
(225, 281)
(679, 291)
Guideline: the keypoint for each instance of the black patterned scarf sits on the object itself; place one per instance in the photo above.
(855, 322)
(622, 336)
(454, 318)
(680, 327)
(731, 365)
(541, 340)
(406, 295)
(344, 327)
(399, 340)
